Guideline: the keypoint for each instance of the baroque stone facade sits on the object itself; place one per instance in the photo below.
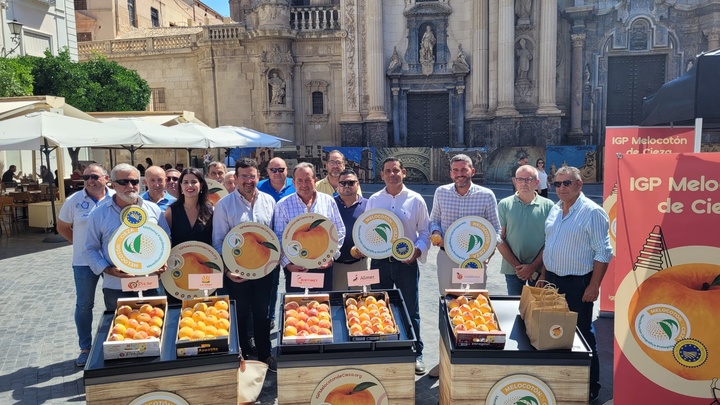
(455, 73)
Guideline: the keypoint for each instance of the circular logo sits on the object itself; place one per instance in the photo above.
(251, 250)
(139, 251)
(690, 353)
(187, 258)
(133, 216)
(159, 397)
(520, 389)
(216, 191)
(472, 264)
(375, 231)
(660, 326)
(556, 331)
(349, 386)
(403, 249)
(470, 237)
(310, 240)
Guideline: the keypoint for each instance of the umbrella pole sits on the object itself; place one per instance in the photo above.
(110, 152)
(55, 237)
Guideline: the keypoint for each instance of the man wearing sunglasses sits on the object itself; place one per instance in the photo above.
(576, 256)
(522, 221)
(334, 166)
(155, 183)
(351, 205)
(172, 185)
(72, 224)
(102, 225)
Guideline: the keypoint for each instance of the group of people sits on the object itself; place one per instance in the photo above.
(566, 244)
(10, 176)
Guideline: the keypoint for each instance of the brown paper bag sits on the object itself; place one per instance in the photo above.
(533, 294)
(551, 327)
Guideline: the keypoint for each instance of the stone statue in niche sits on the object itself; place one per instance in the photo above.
(427, 55)
(523, 8)
(461, 64)
(524, 56)
(586, 74)
(277, 90)
(395, 63)
(690, 65)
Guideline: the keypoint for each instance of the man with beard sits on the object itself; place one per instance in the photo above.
(155, 183)
(335, 165)
(72, 224)
(252, 297)
(102, 224)
(8, 178)
(411, 209)
(172, 185)
(306, 200)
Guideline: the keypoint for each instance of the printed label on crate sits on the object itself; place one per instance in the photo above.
(140, 283)
(375, 231)
(205, 281)
(190, 258)
(520, 389)
(159, 398)
(251, 250)
(350, 386)
(307, 280)
(470, 237)
(216, 191)
(310, 240)
(468, 276)
(139, 250)
(361, 278)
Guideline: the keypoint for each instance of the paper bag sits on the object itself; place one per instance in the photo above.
(551, 327)
(533, 294)
(251, 377)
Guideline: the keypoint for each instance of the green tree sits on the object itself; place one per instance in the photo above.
(15, 77)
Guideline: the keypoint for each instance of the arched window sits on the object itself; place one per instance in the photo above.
(317, 103)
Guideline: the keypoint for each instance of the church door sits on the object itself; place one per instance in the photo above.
(428, 120)
(630, 78)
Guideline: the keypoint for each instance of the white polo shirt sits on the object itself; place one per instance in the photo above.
(76, 211)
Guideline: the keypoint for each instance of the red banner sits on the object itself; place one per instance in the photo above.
(667, 348)
(633, 141)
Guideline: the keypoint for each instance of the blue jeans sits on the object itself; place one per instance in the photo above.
(85, 285)
(253, 298)
(574, 287)
(406, 278)
(515, 285)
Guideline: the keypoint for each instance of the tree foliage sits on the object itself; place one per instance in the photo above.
(15, 77)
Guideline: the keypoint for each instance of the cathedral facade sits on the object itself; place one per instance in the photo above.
(419, 73)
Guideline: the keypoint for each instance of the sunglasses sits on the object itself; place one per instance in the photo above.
(541, 163)
(173, 178)
(87, 177)
(565, 183)
(125, 182)
(348, 183)
(277, 169)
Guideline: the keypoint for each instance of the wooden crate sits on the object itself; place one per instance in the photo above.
(296, 385)
(470, 383)
(196, 388)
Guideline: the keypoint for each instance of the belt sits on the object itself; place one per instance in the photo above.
(570, 276)
(348, 261)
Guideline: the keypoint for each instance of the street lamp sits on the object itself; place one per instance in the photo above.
(15, 35)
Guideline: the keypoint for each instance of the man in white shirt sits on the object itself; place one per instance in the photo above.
(412, 211)
(72, 224)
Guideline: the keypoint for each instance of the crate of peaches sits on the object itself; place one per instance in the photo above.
(136, 329)
(369, 317)
(204, 326)
(307, 319)
(473, 320)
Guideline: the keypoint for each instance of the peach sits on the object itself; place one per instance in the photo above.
(223, 314)
(290, 331)
(140, 335)
(124, 310)
(200, 306)
(121, 320)
(221, 305)
(146, 308)
(291, 305)
(116, 337)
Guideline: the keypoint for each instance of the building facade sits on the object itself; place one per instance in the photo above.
(419, 73)
(46, 24)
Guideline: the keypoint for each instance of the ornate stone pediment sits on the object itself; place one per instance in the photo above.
(420, 9)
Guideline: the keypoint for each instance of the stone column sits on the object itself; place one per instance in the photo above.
(396, 114)
(548, 58)
(480, 57)
(492, 56)
(713, 36)
(461, 116)
(576, 83)
(376, 66)
(506, 58)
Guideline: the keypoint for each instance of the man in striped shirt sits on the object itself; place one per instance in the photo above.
(576, 255)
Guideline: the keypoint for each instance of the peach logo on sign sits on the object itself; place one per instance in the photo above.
(521, 389)
(349, 386)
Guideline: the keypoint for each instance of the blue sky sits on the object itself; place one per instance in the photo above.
(221, 6)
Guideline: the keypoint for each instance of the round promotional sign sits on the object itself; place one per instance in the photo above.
(159, 397)
(216, 191)
(139, 251)
(187, 258)
(251, 250)
(520, 389)
(376, 231)
(310, 240)
(349, 386)
(470, 237)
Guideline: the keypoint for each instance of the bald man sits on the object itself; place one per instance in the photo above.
(155, 183)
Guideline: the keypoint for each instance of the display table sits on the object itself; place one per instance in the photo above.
(193, 378)
(302, 368)
(468, 375)
(40, 214)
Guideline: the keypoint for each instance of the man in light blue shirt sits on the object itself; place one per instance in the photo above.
(576, 256)
(155, 179)
(102, 224)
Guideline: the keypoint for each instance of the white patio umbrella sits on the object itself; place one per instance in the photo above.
(256, 138)
(214, 137)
